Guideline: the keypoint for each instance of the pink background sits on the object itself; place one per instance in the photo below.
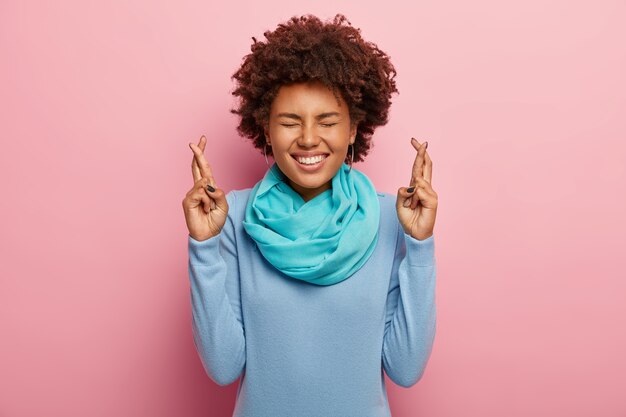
(523, 105)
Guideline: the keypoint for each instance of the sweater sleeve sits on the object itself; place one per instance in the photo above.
(217, 324)
(410, 322)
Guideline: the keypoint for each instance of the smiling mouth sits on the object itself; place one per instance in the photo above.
(310, 161)
(310, 164)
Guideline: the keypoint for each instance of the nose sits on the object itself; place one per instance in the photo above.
(309, 138)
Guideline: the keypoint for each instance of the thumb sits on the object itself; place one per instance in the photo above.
(403, 195)
(219, 196)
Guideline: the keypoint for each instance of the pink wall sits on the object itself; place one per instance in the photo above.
(523, 105)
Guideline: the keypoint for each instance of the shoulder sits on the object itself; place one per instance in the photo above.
(385, 195)
(237, 201)
(239, 195)
(387, 202)
(388, 213)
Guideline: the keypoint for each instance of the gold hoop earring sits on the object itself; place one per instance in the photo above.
(351, 158)
(265, 153)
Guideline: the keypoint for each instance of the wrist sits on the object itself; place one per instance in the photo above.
(418, 235)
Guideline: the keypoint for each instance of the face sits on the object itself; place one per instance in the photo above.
(306, 120)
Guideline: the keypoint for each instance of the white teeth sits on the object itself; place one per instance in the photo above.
(310, 161)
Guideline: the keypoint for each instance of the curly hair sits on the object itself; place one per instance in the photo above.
(303, 49)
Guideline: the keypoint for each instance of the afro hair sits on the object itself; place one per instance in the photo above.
(303, 49)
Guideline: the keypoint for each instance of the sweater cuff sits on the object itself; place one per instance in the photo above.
(420, 252)
(205, 251)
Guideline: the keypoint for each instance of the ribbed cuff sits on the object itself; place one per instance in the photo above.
(205, 251)
(420, 252)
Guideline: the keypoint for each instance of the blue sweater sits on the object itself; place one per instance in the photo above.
(307, 350)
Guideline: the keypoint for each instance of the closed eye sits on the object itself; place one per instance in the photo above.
(323, 124)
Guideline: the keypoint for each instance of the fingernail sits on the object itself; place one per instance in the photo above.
(211, 189)
(410, 190)
(426, 145)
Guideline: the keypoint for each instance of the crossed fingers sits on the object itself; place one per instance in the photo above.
(200, 167)
(422, 166)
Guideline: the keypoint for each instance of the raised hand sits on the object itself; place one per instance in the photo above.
(417, 209)
(205, 210)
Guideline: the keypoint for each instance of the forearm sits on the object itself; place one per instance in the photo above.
(409, 338)
(217, 330)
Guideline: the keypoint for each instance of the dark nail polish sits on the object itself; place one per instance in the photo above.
(426, 145)
(410, 190)
(211, 189)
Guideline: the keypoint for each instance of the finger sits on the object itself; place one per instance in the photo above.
(207, 204)
(403, 198)
(202, 183)
(428, 168)
(205, 169)
(418, 164)
(425, 185)
(428, 197)
(414, 200)
(195, 169)
(198, 195)
(219, 199)
(423, 191)
(420, 195)
(217, 196)
(207, 199)
(409, 200)
(194, 163)
(202, 146)
(415, 145)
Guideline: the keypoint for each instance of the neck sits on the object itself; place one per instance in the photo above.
(308, 194)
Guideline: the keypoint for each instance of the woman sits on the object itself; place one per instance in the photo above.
(310, 283)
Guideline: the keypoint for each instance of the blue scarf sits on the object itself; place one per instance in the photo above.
(322, 241)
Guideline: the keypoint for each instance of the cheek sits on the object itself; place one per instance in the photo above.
(341, 144)
(282, 149)
(283, 137)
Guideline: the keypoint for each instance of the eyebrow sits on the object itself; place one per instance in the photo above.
(318, 117)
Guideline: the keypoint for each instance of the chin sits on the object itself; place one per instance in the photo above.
(312, 178)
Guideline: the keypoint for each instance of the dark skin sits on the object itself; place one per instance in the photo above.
(417, 211)
(206, 211)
